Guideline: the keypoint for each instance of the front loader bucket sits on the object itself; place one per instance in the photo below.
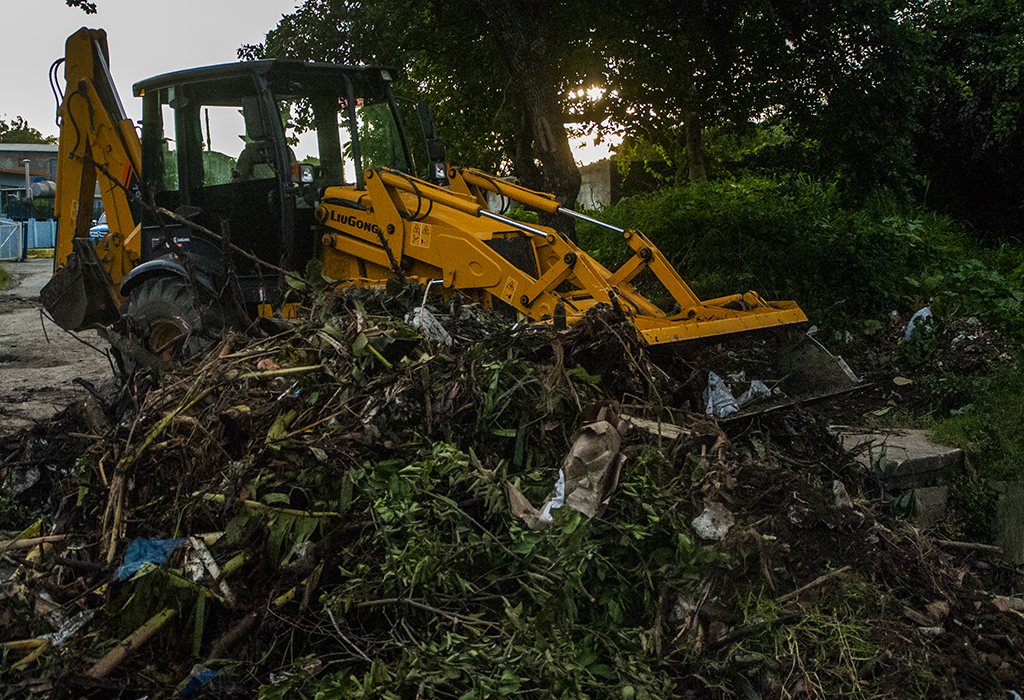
(734, 314)
(78, 296)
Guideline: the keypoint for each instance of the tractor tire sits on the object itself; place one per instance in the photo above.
(173, 323)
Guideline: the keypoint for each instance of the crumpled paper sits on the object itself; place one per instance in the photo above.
(588, 475)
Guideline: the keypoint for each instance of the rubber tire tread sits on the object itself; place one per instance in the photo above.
(168, 299)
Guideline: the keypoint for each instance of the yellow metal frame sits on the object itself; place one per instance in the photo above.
(97, 145)
(402, 224)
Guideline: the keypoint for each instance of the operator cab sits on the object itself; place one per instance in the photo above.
(246, 150)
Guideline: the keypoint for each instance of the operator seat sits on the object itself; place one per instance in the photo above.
(257, 161)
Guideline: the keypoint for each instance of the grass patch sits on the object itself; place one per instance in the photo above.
(819, 653)
(990, 429)
(4, 276)
(40, 253)
(14, 515)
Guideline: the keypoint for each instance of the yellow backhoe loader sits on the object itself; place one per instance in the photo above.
(243, 170)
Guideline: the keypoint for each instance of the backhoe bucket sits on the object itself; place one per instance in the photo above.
(78, 295)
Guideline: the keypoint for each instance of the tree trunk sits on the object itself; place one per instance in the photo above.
(521, 33)
(695, 149)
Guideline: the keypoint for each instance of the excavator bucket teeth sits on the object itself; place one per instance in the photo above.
(78, 295)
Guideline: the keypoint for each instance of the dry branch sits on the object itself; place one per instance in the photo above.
(130, 643)
(816, 582)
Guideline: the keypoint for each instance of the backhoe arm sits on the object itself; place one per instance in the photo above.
(98, 144)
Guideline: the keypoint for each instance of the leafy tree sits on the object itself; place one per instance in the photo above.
(88, 7)
(18, 131)
(902, 94)
(673, 70)
(970, 147)
(488, 69)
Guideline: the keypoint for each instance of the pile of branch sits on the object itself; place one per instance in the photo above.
(325, 510)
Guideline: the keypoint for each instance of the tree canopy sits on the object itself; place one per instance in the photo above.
(17, 130)
(917, 96)
(88, 7)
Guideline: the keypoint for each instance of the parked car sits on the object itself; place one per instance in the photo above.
(97, 232)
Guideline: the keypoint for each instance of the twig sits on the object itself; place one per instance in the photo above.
(341, 634)
(279, 372)
(192, 422)
(114, 514)
(130, 643)
(230, 638)
(43, 313)
(454, 617)
(30, 542)
(83, 565)
(970, 546)
(23, 644)
(241, 251)
(41, 647)
(816, 582)
(256, 505)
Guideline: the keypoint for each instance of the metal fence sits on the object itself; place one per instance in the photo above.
(41, 234)
(34, 234)
(10, 240)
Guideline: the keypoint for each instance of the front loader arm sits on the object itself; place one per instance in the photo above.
(408, 227)
(98, 144)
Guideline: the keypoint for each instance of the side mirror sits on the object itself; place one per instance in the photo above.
(437, 168)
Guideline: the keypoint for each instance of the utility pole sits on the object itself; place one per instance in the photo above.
(31, 211)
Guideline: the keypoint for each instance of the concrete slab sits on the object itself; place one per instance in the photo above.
(1009, 525)
(910, 460)
(932, 500)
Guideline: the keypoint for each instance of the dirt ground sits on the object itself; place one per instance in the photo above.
(38, 361)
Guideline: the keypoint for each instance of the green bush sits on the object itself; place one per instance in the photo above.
(791, 238)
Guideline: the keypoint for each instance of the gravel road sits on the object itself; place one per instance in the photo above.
(38, 361)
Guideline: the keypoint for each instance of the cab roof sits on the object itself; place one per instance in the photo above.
(285, 77)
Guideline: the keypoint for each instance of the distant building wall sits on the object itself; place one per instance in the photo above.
(603, 185)
(42, 165)
(42, 158)
(597, 187)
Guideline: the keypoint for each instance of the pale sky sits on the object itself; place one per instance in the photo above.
(145, 38)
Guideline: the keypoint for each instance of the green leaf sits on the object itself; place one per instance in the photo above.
(296, 283)
(279, 429)
(280, 527)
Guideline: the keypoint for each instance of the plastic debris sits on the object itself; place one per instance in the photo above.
(142, 551)
(421, 319)
(69, 628)
(718, 399)
(714, 523)
(842, 497)
(199, 677)
(918, 317)
(588, 475)
(757, 389)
